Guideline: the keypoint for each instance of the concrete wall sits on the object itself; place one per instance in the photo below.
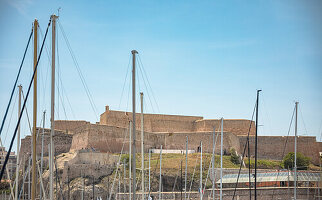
(271, 147)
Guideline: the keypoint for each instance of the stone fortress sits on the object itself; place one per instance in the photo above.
(112, 131)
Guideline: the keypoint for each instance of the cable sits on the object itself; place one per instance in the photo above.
(15, 84)
(87, 91)
(303, 120)
(14, 104)
(146, 88)
(284, 148)
(139, 59)
(127, 71)
(247, 142)
(24, 105)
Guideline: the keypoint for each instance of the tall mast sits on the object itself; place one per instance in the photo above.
(295, 149)
(130, 161)
(186, 171)
(52, 119)
(134, 52)
(149, 172)
(142, 145)
(213, 163)
(221, 154)
(42, 149)
(160, 179)
(200, 170)
(256, 130)
(34, 133)
(18, 145)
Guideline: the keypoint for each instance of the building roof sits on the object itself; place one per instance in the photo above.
(272, 177)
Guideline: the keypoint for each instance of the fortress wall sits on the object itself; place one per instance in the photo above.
(152, 122)
(110, 139)
(80, 141)
(62, 144)
(69, 125)
(174, 123)
(236, 126)
(271, 147)
(178, 141)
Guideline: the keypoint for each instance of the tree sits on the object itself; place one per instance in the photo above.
(302, 161)
(234, 157)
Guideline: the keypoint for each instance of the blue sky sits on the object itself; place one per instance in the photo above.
(204, 58)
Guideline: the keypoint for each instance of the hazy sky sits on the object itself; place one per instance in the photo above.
(204, 58)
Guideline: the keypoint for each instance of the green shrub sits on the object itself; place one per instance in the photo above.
(302, 161)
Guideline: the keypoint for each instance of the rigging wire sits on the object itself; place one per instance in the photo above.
(10, 119)
(303, 120)
(87, 91)
(247, 142)
(15, 84)
(193, 174)
(155, 169)
(60, 82)
(147, 80)
(284, 148)
(24, 105)
(118, 164)
(146, 87)
(127, 71)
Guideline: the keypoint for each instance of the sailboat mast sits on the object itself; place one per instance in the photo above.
(52, 119)
(34, 133)
(149, 172)
(256, 143)
(213, 163)
(18, 145)
(142, 145)
(160, 178)
(200, 170)
(42, 150)
(295, 149)
(221, 154)
(186, 171)
(134, 52)
(130, 161)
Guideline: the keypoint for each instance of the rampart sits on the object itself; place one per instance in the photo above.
(155, 123)
(272, 147)
(62, 143)
(69, 125)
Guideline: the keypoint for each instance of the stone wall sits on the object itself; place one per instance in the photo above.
(236, 126)
(152, 122)
(178, 141)
(174, 123)
(271, 147)
(110, 139)
(69, 125)
(62, 144)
